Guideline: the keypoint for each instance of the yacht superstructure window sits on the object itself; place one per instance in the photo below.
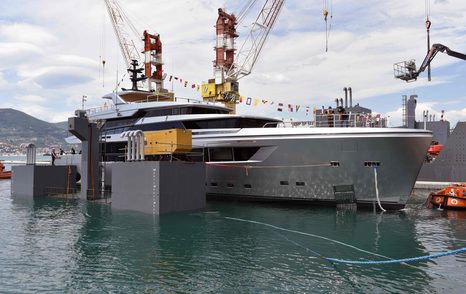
(244, 153)
(230, 154)
(228, 123)
(221, 154)
(183, 110)
(160, 126)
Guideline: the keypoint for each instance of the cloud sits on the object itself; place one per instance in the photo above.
(31, 98)
(61, 79)
(16, 54)
(26, 33)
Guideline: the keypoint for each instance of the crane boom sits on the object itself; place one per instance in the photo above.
(252, 46)
(230, 67)
(120, 23)
(406, 70)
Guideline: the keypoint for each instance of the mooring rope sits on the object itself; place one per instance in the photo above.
(308, 234)
(361, 262)
(377, 190)
(411, 259)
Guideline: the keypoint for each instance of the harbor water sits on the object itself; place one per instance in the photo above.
(60, 246)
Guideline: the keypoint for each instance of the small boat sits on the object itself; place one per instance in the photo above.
(4, 174)
(452, 196)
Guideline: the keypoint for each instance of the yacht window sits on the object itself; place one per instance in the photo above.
(221, 154)
(244, 153)
(300, 184)
(118, 123)
(284, 183)
(201, 110)
(247, 186)
(160, 126)
(229, 122)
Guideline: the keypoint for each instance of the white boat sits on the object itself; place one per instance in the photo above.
(259, 158)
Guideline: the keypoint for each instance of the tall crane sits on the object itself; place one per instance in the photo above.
(406, 70)
(227, 71)
(126, 33)
(123, 29)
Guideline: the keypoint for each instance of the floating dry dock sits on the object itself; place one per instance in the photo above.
(153, 187)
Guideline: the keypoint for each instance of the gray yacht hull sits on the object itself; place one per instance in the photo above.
(317, 167)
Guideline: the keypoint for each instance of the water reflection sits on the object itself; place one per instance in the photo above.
(74, 246)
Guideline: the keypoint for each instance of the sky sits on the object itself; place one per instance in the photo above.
(51, 52)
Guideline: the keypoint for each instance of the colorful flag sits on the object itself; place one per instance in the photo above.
(198, 87)
(271, 103)
(256, 101)
(297, 107)
(170, 79)
(248, 101)
(290, 108)
(176, 78)
(280, 107)
(185, 83)
(193, 86)
(264, 101)
(241, 99)
(307, 110)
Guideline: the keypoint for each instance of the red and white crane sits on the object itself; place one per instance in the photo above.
(228, 67)
(152, 49)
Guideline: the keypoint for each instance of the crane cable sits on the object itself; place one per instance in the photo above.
(326, 11)
(428, 24)
(102, 47)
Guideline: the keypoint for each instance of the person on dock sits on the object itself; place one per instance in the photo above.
(73, 151)
(54, 156)
(62, 151)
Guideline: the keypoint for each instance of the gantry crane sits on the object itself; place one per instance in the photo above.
(228, 68)
(152, 49)
(406, 70)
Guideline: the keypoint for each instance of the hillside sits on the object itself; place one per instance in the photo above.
(17, 127)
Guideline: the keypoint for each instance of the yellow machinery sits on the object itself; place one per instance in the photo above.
(226, 93)
(174, 141)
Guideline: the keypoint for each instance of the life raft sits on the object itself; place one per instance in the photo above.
(452, 196)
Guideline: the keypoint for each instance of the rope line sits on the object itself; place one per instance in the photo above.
(411, 259)
(377, 189)
(309, 234)
(361, 262)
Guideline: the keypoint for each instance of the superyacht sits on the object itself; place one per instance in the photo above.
(262, 158)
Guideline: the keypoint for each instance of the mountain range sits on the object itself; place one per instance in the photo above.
(17, 127)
